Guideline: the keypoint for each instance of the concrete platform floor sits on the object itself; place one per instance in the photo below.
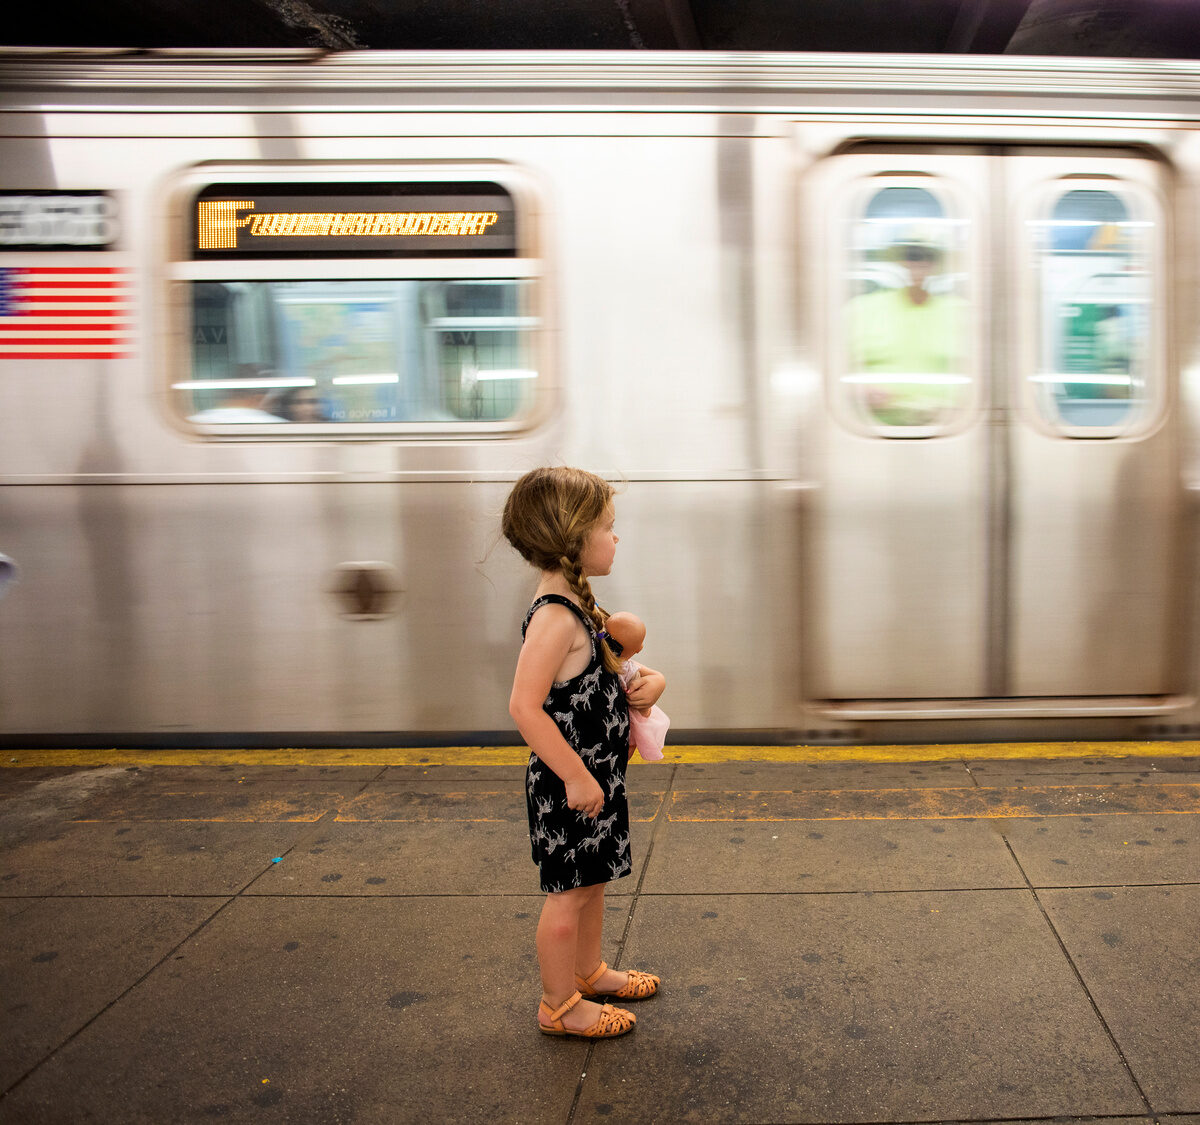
(909, 941)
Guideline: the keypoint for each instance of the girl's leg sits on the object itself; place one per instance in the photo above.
(557, 935)
(557, 941)
(591, 924)
(587, 948)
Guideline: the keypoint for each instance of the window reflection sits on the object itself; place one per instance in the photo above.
(1094, 296)
(907, 322)
(366, 351)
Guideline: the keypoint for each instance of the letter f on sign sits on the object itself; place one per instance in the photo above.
(218, 224)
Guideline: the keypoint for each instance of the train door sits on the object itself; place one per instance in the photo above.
(997, 500)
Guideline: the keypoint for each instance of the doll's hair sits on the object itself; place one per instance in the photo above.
(547, 517)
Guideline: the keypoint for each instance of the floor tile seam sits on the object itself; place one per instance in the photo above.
(1070, 960)
(1122, 885)
(1052, 1120)
(660, 817)
(979, 1120)
(322, 819)
(27, 903)
(954, 788)
(966, 818)
(369, 787)
(971, 774)
(1016, 797)
(121, 894)
(129, 989)
(981, 817)
(223, 789)
(880, 891)
(832, 893)
(207, 820)
(34, 897)
(228, 900)
(533, 892)
(654, 894)
(305, 837)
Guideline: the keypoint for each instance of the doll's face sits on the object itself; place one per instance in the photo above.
(629, 650)
(628, 632)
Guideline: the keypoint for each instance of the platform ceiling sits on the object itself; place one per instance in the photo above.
(1162, 28)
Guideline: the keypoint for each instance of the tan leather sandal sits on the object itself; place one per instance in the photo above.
(612, 1021)
(639, 986)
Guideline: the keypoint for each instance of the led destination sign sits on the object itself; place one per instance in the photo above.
(355, 220)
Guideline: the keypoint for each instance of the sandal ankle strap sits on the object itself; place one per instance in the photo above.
(563, 1008)
(589, 981)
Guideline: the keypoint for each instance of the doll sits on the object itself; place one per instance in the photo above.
(648, 727)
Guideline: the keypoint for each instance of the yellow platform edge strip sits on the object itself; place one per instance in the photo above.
(517, 755)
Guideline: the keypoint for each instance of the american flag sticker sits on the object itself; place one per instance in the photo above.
(64, 312)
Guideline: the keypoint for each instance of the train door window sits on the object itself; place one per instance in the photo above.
(907, 367)
(358, 308)
(1092, 259)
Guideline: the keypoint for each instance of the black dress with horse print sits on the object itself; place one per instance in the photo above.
(570, 848)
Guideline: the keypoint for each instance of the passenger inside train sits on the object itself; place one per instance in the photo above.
(366, 351)
(297, 404)
(241, 399)
(907, 334)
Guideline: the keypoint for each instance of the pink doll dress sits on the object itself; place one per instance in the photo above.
(646, 732)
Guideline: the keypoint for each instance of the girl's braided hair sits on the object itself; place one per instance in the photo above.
(548, 516)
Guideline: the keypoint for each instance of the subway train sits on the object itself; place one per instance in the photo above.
(892, 360)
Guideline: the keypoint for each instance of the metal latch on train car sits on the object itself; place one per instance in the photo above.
(8, 574)
(366, 591)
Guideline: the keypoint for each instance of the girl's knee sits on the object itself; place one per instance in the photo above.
(559, 928)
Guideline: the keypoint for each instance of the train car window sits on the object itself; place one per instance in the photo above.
(1092, 249)
(359, 351)
(907, 369)
(392, 307)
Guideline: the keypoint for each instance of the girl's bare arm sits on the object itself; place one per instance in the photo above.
(547, 642)
(645, 690)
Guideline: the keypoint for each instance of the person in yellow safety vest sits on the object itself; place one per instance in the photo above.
(908, 330)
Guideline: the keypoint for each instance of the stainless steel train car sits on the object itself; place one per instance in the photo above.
(894, 361)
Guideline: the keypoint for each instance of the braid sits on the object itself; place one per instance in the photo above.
(572, 571)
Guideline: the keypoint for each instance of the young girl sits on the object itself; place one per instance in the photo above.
(569, 706)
